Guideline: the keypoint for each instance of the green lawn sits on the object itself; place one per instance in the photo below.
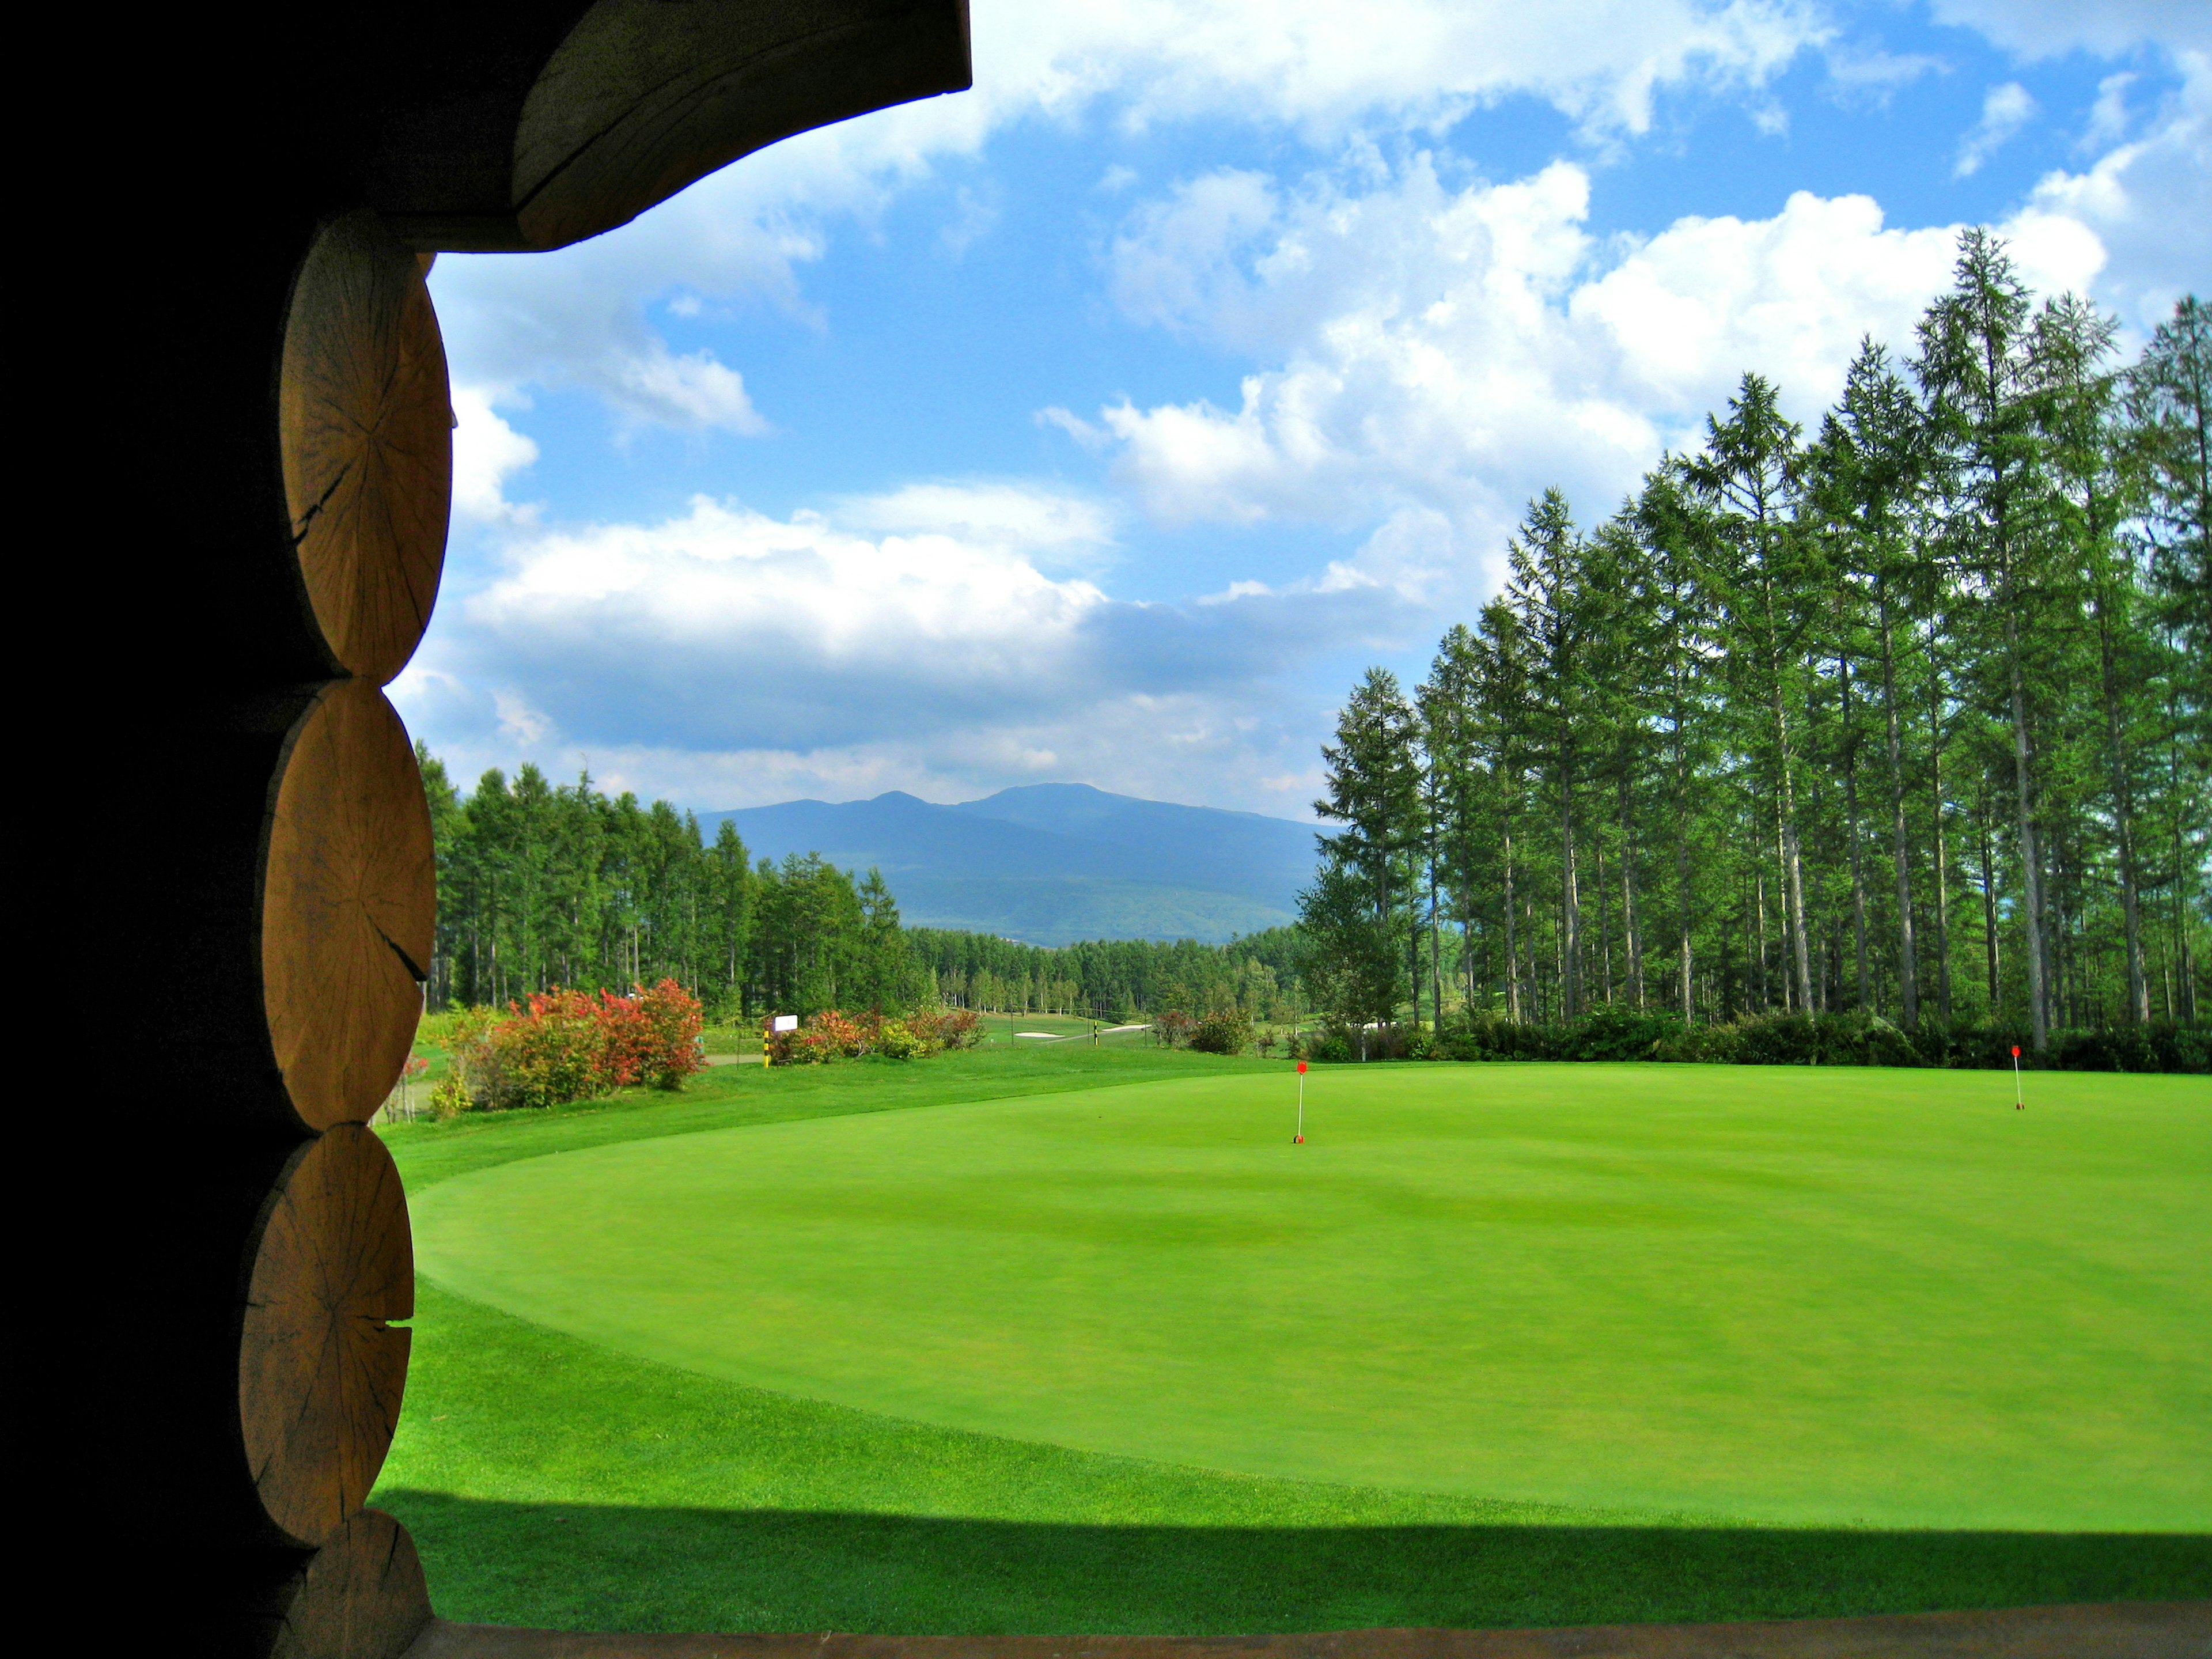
(1089, 1345)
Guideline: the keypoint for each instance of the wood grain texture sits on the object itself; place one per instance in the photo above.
(365, 424)
(349, 897)
(321, 1370)
(646, 96)
(550, 130)
(361, 1597)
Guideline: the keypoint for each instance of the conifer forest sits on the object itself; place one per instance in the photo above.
(1900, 714)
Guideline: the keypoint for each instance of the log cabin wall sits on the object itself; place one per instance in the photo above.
(265, 523)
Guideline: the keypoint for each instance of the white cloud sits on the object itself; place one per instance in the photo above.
(2109, 116)
(2005, 110)
(694, 391)
(1328, 67)
(903, 638)
(2051, 28)
(1447, 349)
(577, 316)
(2147, 203)
(487, 451)
(1047, 527)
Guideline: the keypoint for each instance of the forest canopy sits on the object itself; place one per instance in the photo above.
(543, 886)
(1902, 716)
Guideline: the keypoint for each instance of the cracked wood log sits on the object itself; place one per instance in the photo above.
(321, 1369)
(349, 895)
(361, 1596)
(365, 435)
(472, 124)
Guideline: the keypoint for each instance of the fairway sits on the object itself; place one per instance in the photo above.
(1803, 1296)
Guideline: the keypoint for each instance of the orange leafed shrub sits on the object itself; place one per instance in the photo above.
(834, 1035)
(571, 1045)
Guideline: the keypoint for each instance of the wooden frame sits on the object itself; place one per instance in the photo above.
(290, 511)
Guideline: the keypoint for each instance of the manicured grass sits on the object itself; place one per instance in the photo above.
(1640, 1306)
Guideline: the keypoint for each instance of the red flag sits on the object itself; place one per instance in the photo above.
(1302, 1065)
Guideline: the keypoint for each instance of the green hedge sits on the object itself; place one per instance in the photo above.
(1617, 1033)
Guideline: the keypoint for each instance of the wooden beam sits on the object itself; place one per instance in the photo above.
(637, 99)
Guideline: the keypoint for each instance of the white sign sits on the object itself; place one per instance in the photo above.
(785, 1023)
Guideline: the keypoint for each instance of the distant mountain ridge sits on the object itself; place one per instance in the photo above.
(1053, 863)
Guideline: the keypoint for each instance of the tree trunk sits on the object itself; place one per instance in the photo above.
(2123, 820)
(1794, 898)
(1631, 941)
(1436, 949)
(1758, 899)
(1682, 865)
(1936, 800)
(1604, 927)
(2031, 861)
(1989, 910)
(1852, 830)
(1569, 902)
(1512, 959)
(1908, 967)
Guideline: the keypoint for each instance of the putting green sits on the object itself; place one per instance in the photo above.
(1795, 1296)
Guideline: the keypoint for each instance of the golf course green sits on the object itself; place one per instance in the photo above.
(1831, 1299)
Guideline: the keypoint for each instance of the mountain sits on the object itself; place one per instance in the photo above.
(1052, 863)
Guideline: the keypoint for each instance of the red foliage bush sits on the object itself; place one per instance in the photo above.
(570, 1045)
(834, 1035)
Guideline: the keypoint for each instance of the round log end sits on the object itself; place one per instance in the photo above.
(365, 420)
(361, 1597)
(321, 1369)
(348, 903)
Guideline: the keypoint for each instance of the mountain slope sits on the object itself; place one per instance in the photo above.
(1053, 863)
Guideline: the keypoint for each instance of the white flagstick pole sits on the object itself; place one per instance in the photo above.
(1300, 1139)
(2019, 1100)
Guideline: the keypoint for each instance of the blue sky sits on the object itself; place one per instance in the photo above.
(1101, 423)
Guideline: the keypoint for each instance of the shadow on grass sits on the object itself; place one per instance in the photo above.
(584, 1567)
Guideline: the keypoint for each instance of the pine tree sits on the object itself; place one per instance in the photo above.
(1747, 477)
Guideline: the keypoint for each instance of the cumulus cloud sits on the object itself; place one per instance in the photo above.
(580, 316)
(2051, 28)
(487, 451)
(2146, 203)
(1447, 347)
(903, 636)
(2005, 110)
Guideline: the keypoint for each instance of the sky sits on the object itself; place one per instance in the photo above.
(1102, 423)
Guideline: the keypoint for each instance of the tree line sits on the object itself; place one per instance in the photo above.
(1902, 716)
(543, 886)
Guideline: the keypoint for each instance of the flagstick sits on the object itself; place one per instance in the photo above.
(2019, 1100)
(1300, 1138)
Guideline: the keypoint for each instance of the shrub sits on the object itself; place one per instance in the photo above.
(1227, 1033)
(568, 1045)
(834, 1035)
(658, 1035)
(1173, 1029)
(895, 1040)
(449, 1100)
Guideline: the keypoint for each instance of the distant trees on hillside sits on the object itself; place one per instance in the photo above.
(542, 885)
(1904, 715)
